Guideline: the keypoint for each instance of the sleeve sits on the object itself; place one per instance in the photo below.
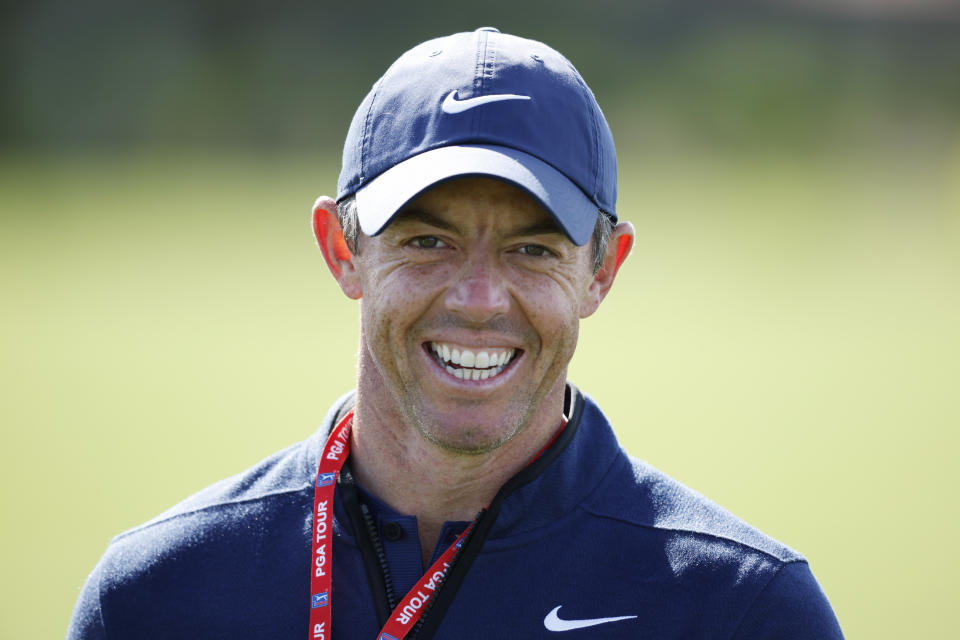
(87, 621)
(792, 606)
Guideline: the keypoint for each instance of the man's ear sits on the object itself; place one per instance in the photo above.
(329, 235)
(618, 248)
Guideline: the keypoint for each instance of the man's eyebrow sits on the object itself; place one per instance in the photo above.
(413, 215)
(419, 215)
(543, 227)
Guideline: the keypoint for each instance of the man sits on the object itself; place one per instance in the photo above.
(465, 490)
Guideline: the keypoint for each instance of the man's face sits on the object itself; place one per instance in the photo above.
(470, 313)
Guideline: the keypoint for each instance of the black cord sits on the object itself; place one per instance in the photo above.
(381, 556)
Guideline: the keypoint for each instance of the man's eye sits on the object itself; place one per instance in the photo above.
(428, 242)
(535, 250)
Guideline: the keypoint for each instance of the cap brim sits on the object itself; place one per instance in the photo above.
(385, 195)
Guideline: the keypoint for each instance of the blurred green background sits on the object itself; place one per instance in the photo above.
(784, 338)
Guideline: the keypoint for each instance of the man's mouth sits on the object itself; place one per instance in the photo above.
(471, 364)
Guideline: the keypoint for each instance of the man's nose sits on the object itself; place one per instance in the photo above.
(479, 292)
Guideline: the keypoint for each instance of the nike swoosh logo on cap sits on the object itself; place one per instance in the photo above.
(553, 622)
(452, 105)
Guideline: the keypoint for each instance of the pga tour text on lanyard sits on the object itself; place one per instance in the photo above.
(411, 607)
(407, 613)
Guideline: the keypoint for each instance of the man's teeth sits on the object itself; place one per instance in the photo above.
(478, 365)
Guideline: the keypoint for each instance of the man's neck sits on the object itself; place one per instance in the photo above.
(392, 460)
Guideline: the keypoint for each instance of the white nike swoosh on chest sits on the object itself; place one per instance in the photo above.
(452, 105)
(553, 622)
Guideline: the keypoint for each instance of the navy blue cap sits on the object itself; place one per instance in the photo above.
(481, 104)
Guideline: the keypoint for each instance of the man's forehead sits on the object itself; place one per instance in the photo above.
(479, 201)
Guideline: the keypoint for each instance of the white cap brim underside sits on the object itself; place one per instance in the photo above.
(378, 201)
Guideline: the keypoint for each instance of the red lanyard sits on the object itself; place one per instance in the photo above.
(406, 614)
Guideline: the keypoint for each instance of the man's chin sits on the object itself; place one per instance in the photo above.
(470, 436)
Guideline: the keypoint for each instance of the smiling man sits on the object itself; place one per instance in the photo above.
(465, 489)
